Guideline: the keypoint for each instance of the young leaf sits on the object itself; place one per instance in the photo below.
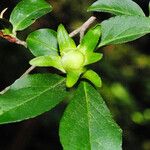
(65, 42)
(87, 123)
(43, 42)
(31, 96)
(117, 7)
(93, 77)
(123, 29)
(27, 11)
(90, 40)
(72, 78)
(93, 57)
(48, 61)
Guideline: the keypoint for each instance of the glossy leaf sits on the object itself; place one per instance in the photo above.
(48, 61)
(87, 123)
(117, 7)
(65, 42)
(43, 42)
(93, 77)
(31, 96)
(27, 11)
(90, 40)
(123, 29)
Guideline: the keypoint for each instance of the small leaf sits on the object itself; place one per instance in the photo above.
(43, 42)
(93, 77)
(89, 43)
(123, 29)
(87, 123)
(117, 7)
(72, 78)
(90, 40)
(27, 11)
(31, 96)
(65, 42)
(93, 57)
(48, 61)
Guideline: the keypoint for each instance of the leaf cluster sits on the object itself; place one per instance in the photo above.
(87, 123)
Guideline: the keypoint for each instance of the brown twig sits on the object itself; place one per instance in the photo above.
(13, 39)
(19, 42)
(83, 28)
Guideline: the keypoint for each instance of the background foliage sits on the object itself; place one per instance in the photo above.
(124, 70)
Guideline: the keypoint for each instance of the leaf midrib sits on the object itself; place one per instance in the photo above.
(88, 113)
(55, 50)
(130, 35)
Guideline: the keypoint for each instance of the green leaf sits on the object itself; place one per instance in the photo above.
(72, 78)
(92, 58)
(123, 29)
(117, 7)
(93, 77)
(87, 123)
(90, 40)
(43, 42)
(65, 42)
(89, 43)
(27, 11)
(31, 96)
(48, 61)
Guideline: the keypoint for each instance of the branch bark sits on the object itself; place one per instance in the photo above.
(13, 39)
(83, 28)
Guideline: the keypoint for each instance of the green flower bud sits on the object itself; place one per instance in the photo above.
(73, 60)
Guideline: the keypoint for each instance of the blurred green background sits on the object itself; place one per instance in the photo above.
(125, 70)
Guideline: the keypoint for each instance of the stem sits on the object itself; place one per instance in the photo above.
(75, 32)
(13, 39)
(28, 71)
(5, 90)
(86, 25)
(83, 28)
(24, 74)
(23, 43)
